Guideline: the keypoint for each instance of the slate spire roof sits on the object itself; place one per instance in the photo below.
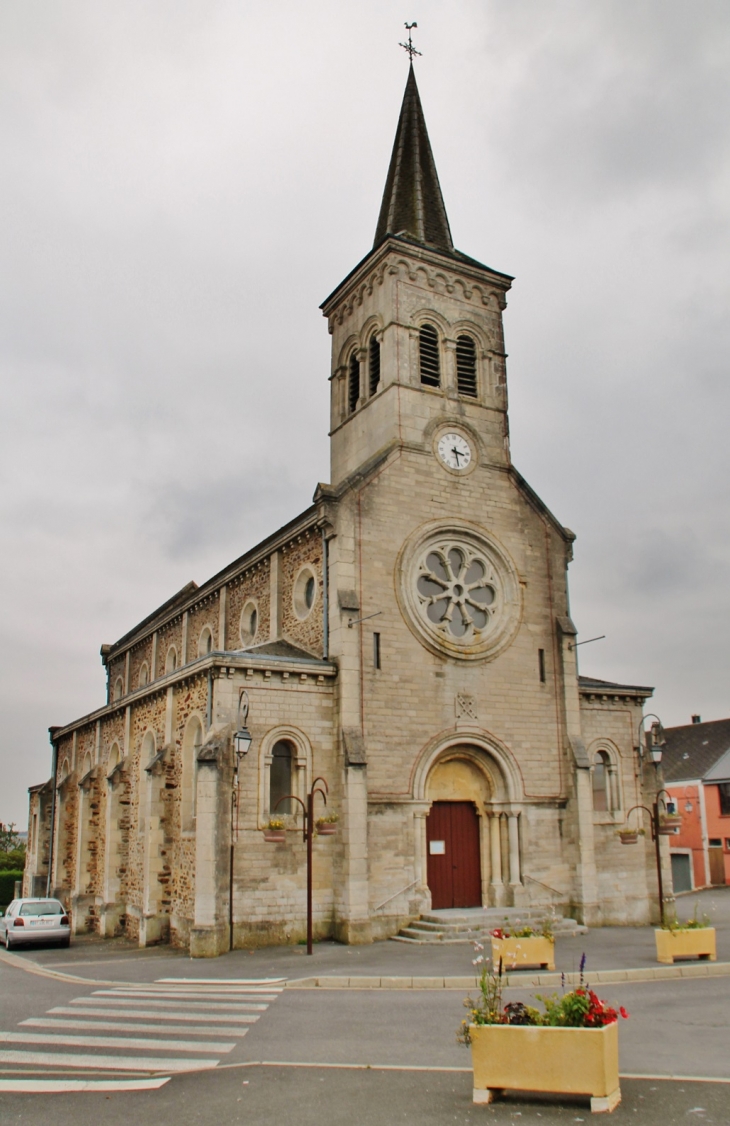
(413, 206)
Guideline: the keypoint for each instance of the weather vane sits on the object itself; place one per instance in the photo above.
(408, 47)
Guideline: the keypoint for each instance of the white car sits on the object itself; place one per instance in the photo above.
(35, 920)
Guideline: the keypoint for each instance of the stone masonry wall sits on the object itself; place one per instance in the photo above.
(301, 627)
(254, 584)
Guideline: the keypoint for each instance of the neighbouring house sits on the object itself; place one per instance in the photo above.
(408, 637)
(697, 775)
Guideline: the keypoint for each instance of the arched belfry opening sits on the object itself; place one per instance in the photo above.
(472, 832)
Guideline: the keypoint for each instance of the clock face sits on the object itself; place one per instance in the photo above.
(454, 451)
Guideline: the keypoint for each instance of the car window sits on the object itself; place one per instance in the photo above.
(46, 907)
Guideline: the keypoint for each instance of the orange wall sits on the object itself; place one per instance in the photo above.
(717, 824)
(690, 835)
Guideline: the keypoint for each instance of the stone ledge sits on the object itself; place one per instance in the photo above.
(526, 979)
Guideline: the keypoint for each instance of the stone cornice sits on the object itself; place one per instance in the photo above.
(216, 664)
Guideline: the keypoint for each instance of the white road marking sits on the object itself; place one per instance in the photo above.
(150, 991)
(115, 1042)
(104, 1063)
(129, 1026)
(59, 1086)
(223, 980)
(194, 1007)
(152, 1014)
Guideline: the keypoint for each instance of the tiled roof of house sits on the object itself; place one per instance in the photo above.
(696, 749)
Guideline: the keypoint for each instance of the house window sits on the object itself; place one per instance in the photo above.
(724, 789)
(280, 777)
(429, 360)
(353, 383)
(466, 366)
(601, 801)
(373, 365)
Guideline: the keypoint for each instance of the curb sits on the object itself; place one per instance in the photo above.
(517, 980)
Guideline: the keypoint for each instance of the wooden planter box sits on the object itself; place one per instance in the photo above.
(696, 943)
(521, 952)
(568, 1061)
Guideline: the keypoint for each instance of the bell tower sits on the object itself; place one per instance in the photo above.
(417, 339)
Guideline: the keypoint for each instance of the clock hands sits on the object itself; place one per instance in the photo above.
(457, 454)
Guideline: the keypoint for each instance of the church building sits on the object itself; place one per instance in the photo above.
(407, 639)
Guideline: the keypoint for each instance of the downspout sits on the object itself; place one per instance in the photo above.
(209, 706)
(325, 598)
(53, 819)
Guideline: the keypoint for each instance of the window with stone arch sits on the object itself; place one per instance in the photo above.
(281, 780)
(429, 356)
(146, 754)
(466, 365)
(118, 689)
(205, 641)
(604, 778)
(171, 659)
(353, 383)
(373, 365)
(144, 675)
(191, 744)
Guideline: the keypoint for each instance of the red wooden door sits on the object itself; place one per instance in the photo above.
(453, 865)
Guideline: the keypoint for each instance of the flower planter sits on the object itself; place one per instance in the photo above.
(668, 823)
(628, 836)
(574, 1061)
(327, 830)
(698, 942)
(274, 836)
(520, 952)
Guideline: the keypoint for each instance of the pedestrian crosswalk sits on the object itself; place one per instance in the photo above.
(167, 1026)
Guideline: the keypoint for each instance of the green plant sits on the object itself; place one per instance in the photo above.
(10, 840)
(514, 930)
(695, 923)
(7, 886)
(275, 824)
(329, 819)
(580, 1008)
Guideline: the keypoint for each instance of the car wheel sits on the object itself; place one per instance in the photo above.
(66, 942)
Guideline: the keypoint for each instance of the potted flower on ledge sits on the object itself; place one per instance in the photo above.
(275, 831)
(694, 938)
(569, 1048)
(518, 946)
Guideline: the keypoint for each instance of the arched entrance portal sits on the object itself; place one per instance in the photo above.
(466, 855)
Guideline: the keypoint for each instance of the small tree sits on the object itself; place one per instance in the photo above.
(10, 839)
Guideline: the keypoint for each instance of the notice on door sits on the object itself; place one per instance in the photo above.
(437, 848)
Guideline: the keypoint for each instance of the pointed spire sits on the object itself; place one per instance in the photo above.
(412, 202)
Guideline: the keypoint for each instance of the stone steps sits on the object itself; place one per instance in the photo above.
(474, 925)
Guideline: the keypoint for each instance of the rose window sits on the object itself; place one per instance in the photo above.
(457, 589)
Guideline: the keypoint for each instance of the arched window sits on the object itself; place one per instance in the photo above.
(466, 366)
(171, 659)
(118, 688)
(113, 760)
(144, 675)
(373, 365)
(353, 382)
(205, 642)
(601, 782)
(429, 360)
(192, 742)
(280, 778)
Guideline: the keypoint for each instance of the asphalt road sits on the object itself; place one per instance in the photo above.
(372, 1055)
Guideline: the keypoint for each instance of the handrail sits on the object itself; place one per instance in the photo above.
(542, 885)
(396, 894)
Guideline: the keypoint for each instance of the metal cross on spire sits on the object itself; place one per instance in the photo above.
(408, 47)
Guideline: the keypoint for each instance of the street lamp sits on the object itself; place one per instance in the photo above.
(308, 836)
(242, 739)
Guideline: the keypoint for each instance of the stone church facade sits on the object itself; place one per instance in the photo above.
(407, 638)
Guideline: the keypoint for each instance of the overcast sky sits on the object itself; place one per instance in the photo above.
(185, 180)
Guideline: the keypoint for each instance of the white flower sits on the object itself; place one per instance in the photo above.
(477, 961)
